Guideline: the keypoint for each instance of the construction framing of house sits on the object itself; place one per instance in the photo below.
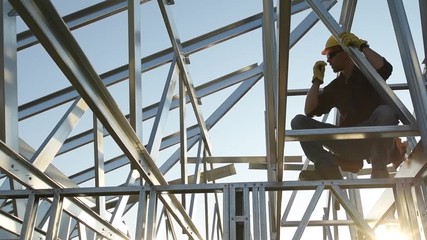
(41, 199)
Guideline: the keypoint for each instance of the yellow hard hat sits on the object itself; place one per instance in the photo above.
(332, 42)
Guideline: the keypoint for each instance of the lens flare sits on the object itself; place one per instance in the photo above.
(389, 232)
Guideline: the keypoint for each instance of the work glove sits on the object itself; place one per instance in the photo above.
(319, 71)
(351, 40)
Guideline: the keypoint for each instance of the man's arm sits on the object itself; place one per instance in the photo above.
(311, 100)
(373, 57)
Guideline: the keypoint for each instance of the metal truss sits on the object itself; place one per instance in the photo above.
(145, 190)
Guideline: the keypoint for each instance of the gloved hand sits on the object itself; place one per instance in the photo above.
(319, 71)
(351, 40)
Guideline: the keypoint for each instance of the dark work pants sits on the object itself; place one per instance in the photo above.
(377, 150)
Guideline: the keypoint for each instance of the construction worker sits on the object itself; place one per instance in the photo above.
(358, 103)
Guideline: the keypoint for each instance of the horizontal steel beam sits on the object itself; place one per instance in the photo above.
(345, 133)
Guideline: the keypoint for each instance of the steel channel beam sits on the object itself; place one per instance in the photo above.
(420, 206)
(8, 78)
(135, 93)
(270, 84)
(256, 221)
(352, 212)
(283, 47)
(346, 133)
(56, 138)
(423, 15)
(157, 131)
(9, 89)
(308, 211)
(55, 216)
(305, 25)
(183, 140)
(135, 78)
(347, 14)
(28, 225)
(48, 192)
(411, 66)
(184, 72)
(283, 67)
(99, 164)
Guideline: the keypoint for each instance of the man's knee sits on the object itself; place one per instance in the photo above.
(298, 121)
(385, 115)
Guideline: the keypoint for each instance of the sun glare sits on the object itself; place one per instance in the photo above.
(389, 232)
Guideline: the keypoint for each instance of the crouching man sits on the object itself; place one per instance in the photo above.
(358, 103)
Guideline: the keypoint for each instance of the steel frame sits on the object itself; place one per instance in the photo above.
(39, 201)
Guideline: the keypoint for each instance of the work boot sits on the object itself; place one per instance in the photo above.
(309, 175)
(332, 173)
(379, 173)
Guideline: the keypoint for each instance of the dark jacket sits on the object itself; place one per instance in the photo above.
(355, 98)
